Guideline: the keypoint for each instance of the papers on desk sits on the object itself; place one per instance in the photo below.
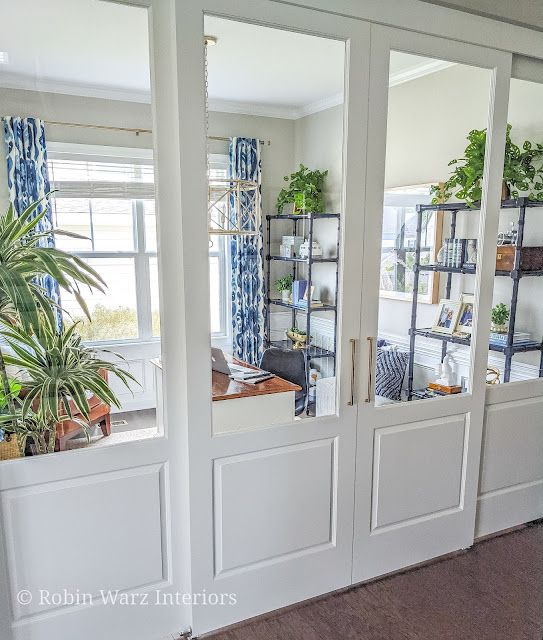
(248, 375)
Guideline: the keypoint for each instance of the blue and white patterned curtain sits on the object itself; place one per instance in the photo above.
(247, 263)
(28, 179)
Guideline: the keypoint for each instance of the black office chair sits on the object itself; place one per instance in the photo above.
(289, 364)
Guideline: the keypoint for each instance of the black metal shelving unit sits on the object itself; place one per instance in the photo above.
(516, 275)
(311, 352)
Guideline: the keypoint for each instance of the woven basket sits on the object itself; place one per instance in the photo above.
(9, 449)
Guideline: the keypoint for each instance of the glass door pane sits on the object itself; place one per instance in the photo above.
(274, 293)
(427, 283)
(517, 319)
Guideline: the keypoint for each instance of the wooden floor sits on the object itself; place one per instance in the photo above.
(492, 592)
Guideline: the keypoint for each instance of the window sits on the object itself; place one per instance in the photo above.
(398, 247)
(110, 201)
(219, 269)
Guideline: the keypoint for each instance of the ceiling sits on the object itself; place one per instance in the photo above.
(100, 49)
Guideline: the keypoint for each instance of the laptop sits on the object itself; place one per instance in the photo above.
(219, 363)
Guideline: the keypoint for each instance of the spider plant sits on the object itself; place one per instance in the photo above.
(22, 263)
(59, 371)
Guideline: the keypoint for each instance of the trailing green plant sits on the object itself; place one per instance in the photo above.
(59, 373)
(284, 283)
(522, 170)
(500, 314)
(304, 190)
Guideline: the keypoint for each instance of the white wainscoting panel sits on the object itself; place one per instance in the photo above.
(138, 356)
(418, 470)
(511, 485)
(85, 535)
(271, 504)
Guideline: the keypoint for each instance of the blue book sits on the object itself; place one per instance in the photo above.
(299, 287)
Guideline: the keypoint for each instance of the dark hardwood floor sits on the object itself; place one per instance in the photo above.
(492, 592)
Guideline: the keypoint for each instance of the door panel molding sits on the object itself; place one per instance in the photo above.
(511, 485)
(432, 455)
(248, 504)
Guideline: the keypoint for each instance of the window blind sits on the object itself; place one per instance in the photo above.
(89, 179)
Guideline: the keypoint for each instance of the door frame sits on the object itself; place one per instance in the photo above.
(370, 558)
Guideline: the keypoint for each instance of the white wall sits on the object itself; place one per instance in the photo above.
(319, 145)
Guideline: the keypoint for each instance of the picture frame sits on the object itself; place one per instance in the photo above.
(402, 201)
(464, 323)
(447, 316)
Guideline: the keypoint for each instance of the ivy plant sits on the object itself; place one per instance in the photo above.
(500, 314)
(304, 190)
(522, 170)
(284, 283)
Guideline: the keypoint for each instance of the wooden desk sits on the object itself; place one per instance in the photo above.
(238, 406)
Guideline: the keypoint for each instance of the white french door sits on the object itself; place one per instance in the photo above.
(94, 542)
(418, 462)
(271, 511)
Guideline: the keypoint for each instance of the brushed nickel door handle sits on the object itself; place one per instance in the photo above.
(353, 370)
(369, 394)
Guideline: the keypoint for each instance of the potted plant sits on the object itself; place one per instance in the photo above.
(61, 373)
(522, 171)
(304, 190)
(57, 367)
(284, 287)
(499, 316)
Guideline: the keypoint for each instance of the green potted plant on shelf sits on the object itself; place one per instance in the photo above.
(499, 316)
(56, 372)
(304, 191)
(284, 287)
(522, 171)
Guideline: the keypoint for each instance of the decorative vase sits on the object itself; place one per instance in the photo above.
(285, 295)
(299, 339)
(498, 328)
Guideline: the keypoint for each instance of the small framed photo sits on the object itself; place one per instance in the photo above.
(467, 311)
(447, 316)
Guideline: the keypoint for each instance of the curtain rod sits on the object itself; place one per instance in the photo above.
(135, 130)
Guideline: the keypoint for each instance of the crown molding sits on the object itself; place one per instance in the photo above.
(319, 105)
(28, 83)
(250, 109)
(46, 85)
(418, 72)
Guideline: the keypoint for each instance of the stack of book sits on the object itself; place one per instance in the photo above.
(519, 337)
(455, 252)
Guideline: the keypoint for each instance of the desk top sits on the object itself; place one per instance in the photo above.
(224, 388)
